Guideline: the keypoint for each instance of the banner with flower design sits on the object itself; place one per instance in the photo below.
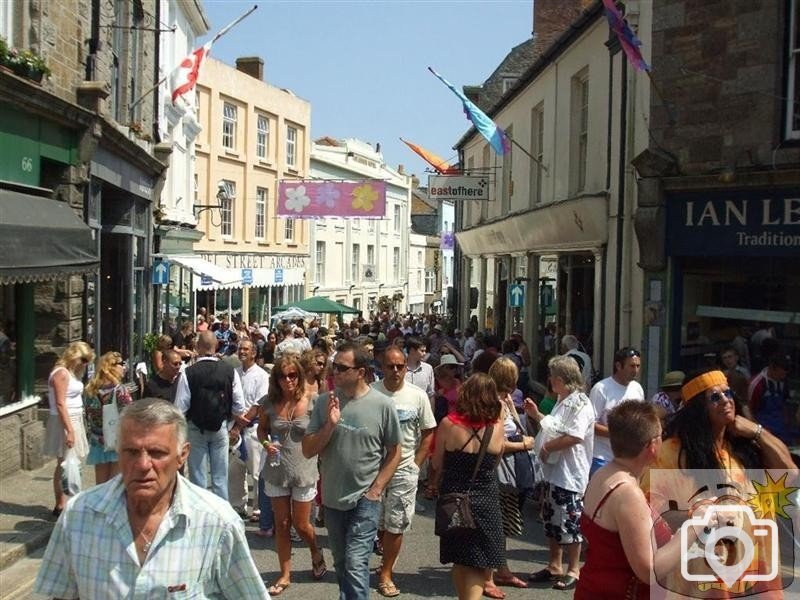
(312, 199)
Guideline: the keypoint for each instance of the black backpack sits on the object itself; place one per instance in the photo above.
(211, 388)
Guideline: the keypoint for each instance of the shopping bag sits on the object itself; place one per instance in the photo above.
(71, 473)
(110, 422)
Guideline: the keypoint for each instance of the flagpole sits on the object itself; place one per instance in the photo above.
(221, 32)
(528, 154)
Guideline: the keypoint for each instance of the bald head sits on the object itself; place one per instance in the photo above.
(206, 343)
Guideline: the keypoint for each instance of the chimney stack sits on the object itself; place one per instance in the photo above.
(251, 65)
(551, 18)
(401, 169)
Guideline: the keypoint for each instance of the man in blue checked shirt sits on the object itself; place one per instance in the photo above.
(149, 532)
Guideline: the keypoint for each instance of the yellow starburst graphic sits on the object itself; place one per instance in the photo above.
(771, 498)
(364, 197)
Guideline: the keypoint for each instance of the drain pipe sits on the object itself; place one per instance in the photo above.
(623, 124)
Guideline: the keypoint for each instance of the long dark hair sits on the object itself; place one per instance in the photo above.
(692, 427)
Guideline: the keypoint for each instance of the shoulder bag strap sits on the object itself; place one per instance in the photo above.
(487, 434)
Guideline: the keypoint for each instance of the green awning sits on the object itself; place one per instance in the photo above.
(319, 304)
(42, 239)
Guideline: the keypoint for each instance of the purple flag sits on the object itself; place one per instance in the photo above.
(627, 39)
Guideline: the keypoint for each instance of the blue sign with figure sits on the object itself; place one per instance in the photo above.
(516, 295)
(279, 275)
(206, 280)
(247, 276)
(160, 272)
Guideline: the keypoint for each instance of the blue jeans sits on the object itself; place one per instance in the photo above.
(267, 518)
(209, 449)
(351, 534)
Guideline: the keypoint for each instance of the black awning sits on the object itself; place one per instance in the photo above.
(42, 239)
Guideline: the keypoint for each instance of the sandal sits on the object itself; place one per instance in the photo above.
(276, 589)
(494, 592)
(319, 568)
(387, 589)
(568, 582)
(543, 576)
(512, 581)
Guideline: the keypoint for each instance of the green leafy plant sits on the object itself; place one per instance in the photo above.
(25, 63)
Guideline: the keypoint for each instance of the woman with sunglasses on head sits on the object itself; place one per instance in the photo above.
(65, 427)
(289, 478)
(104, 388)
(709, 432)
(314, 362)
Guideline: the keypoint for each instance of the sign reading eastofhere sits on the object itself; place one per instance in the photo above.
(458, 187)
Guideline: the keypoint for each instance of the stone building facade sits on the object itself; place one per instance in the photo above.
(718, 221)
(76, 140)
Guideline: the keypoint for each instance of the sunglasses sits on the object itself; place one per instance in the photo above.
(716, 397)
(630, 352)
(321, 364)
(288, 376)
(340, 368)
(120, 363)
(395, 367)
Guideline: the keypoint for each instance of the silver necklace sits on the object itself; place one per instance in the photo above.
(147, 543)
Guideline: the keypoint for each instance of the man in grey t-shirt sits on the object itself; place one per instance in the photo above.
(356, 433)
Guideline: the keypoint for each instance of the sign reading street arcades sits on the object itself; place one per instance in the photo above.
(752, 223)
(458, 187)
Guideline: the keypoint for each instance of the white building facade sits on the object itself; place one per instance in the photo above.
(358, 261)
(572, 205)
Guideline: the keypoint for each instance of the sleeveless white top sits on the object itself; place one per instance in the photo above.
(74, 393)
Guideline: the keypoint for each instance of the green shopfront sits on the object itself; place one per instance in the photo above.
(47, 250)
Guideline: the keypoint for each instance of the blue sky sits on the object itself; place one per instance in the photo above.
(363, 65)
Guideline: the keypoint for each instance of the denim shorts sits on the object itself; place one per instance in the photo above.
(99, 456)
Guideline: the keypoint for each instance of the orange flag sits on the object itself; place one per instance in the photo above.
(436, 162)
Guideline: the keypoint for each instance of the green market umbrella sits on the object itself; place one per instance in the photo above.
(319, 304)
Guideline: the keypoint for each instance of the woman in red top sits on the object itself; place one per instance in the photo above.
(617, 522)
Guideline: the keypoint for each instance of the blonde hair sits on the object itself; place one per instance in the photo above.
(104, 374)
(505, 375)
(76, 354)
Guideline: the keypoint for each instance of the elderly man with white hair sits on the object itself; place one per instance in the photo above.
(148, 532)
(572, 347)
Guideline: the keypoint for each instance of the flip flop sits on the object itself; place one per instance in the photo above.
(512, 581)
(388, 589)
(543, 576)
(568, 582)
(494, 592)
(276, 589)
(319, 568)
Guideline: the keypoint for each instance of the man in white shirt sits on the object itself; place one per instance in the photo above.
(571, 347)
(255, 384)
(608, 393)
(209, 394)
(417, 424)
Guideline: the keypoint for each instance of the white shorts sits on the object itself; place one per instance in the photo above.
(298, 494)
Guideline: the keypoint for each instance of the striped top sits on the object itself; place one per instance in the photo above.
(199, 551)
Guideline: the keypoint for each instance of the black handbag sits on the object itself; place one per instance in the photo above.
(454, 509)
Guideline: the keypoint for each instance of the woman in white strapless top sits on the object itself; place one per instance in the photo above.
(65, 427)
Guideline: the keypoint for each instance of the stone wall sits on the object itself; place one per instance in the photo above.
(21, 441)
(718, 67)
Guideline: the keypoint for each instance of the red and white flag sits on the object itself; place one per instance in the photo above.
(184, 76)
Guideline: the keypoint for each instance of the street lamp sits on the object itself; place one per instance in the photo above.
(222, 195)
(314, 291)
